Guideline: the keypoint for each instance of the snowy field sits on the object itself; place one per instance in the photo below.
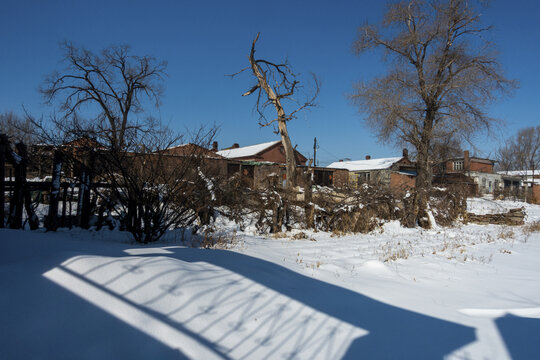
(467, 292)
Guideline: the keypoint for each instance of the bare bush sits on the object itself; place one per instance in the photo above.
(354, 210)
(447, 205)
(154, 190)
(268, 209)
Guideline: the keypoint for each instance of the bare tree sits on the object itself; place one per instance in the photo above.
(114, 80)
(522, 151)
(276, 85)
(506, 157)
(444, 148)
(442, 74)
(18, 129)
(528, 148)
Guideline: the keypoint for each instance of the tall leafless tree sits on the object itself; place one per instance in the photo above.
(17, 128)
(522, 151)
(442, 74)
(114, 80)
(506, 157)
(528, 148)
(277, 85)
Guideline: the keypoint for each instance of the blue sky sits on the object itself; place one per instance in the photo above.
(203, 41)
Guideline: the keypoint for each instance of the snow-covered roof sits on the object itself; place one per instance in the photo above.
(177, 146)
(520, 172)
(365, 165)
(244, 151)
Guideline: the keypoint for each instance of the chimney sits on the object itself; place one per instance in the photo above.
(405, 153)
(215, 146)
(235, 146)
(368, 157)
(466, 161)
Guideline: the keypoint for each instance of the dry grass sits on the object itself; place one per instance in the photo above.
(532, 228)
(506, 234)
(213, 240)
(395, 251)
(280, 235)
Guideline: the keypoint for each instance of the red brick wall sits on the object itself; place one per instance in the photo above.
(274, 154)
(401, 182)
(215, 167)
(536, 194)
(341, 177)
(277, 154)
(481, 167)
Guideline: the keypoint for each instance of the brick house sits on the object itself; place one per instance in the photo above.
(526, 177)
(263, 164)
(189, 149)
(397, 173)
(272, 151)
(475, 172)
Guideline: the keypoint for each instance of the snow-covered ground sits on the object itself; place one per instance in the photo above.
(467, 292)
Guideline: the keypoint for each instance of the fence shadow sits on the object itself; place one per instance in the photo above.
(392, 332)
(521, 336)
(309, 317)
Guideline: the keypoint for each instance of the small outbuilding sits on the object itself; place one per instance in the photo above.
(397, 173)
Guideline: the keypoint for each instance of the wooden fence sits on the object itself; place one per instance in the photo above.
(24, 195)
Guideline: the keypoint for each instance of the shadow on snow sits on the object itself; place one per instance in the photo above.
(42, 318)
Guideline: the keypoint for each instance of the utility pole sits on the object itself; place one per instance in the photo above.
(315, 152)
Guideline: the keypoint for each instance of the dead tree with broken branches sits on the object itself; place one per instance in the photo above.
(277, 85)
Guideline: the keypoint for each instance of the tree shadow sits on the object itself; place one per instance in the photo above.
(521, 336)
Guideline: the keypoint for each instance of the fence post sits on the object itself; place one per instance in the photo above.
(52, 219)
(84, 209)
(17, 200)
(64, 205)
(33, 220)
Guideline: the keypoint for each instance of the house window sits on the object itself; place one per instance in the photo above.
(458, 165)
(323, 178)
(364, 178)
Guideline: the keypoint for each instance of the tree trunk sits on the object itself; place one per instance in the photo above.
(308, 198)
(290, 161)
(423, 184)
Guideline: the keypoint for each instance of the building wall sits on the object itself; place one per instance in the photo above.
(265, 175)
(215, 167)
(468, 165)
(341, 177)
(481, 167)
(376, 177)
(274, 154)
(486, 182)
(277, 154)
(536, 194)
(400, 182)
